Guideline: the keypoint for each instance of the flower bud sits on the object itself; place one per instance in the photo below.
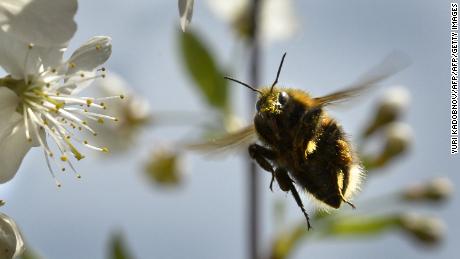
(426, 230)
(165, 168)
(435, 190)
(11, 242)
(398, 139)
(390, 108)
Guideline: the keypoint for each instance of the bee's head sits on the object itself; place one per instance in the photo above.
(272, 101)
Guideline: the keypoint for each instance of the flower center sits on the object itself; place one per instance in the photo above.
(50, 111)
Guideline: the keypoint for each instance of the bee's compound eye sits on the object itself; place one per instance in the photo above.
(258, 105)
(283, 98)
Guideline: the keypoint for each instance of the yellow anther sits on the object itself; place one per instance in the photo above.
(100, 120)
(89, 102)
(64, 158)
(122, 96)
(72, 65)
(85, 142)
(98, 47)
(105, 150)
(30, 46)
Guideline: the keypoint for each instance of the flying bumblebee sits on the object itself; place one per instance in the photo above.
(299, 143)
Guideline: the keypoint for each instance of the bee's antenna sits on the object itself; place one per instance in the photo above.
(239, 82)
(279, 71)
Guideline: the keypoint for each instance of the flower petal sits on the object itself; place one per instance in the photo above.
(15, 146)
(228, 10)
(43, 22)
(11, 241)
(185, 12)
(9, 8)
(279, 20)
(19, 58)
(90, 55)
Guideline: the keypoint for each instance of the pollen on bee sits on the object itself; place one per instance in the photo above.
(311, 147)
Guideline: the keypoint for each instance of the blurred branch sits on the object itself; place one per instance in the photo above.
(253, 183)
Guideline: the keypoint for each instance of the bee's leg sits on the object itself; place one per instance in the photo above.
(347, 202)
(262, 156)
(287, 184)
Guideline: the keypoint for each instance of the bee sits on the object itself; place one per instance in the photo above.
(300, 144)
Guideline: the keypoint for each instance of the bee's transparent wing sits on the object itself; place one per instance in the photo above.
(228, 142)
(392, 64)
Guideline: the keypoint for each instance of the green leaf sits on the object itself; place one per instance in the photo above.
(117, 248)
(204, 70)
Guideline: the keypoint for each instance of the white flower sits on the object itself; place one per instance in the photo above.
(185, 12)
(37, 98)
(11, 241)
(43, 22)
(277, 22)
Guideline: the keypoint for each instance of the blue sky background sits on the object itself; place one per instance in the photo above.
(205, 218)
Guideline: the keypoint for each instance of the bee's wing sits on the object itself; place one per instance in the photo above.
(392, 64)
(231, 141)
